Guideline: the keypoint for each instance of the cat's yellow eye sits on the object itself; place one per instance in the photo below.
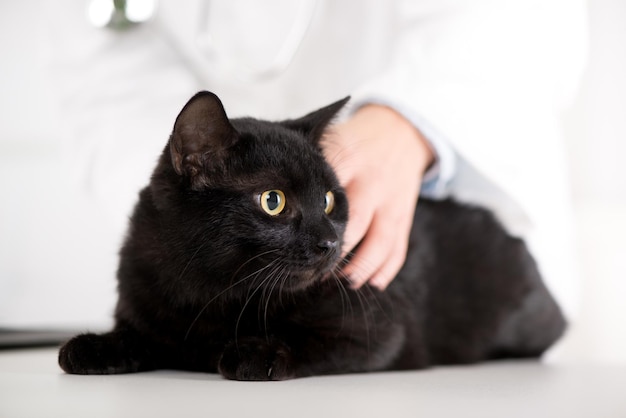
(329, 203)
(273, 202)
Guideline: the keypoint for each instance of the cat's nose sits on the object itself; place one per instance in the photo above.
(327, 246)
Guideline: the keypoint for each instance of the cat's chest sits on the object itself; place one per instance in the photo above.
(254, 317)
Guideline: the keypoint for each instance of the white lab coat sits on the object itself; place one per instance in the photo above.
(484, 80)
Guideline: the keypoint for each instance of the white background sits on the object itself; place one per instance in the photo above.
(40, 246)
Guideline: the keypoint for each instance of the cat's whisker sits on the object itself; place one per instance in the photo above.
(267, 289)
(281, 287)
(276, 275)
(345, 300)
(364, 301)
(253, 285)
(366, 296)
(254, 292)
(361, 299)
(376, 299)
(233, 285)
(252, 259)
(193, 256)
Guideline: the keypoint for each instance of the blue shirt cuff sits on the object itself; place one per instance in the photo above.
(436, 180)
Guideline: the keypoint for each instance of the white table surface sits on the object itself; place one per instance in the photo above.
(32, 385)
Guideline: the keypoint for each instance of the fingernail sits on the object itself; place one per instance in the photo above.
(379, 284)
(355, 283)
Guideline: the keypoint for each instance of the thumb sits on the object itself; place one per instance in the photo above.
(359, 218)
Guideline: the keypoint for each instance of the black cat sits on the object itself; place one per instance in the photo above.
(232, 265)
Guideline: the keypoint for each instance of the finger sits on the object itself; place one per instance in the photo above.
(397, 255)
(392, 265)
(383, 252)
(372, 253)
(360, 217)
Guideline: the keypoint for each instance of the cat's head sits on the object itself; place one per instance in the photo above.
(245, 200)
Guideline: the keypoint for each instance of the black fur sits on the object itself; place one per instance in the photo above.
(210, 282)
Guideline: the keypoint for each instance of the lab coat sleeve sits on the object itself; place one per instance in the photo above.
(484, 82)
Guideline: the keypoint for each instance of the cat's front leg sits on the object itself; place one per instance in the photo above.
(115, 352)
(255, 358)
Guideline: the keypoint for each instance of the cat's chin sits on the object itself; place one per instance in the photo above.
(304, 279)
(304, 275)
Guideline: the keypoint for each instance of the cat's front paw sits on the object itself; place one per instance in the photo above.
(256, 359)
(96, 354)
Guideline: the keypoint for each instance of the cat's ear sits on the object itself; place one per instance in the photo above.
(315, 123)
(202, 134)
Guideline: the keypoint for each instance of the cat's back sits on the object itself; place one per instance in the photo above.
(474, 288)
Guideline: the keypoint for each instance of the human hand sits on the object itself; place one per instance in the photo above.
(379, 158)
